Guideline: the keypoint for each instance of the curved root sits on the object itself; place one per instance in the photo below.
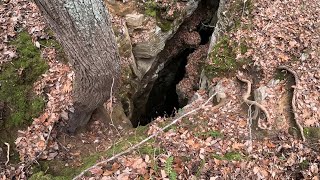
(249, 102)
(293, 102)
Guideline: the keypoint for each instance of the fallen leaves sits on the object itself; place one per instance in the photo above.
(281, 32)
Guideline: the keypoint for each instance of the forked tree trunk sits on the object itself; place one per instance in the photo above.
(84, 30)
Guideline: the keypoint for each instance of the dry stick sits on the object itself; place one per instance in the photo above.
(293, 102)
(8, 153)
(145, 140)
(247, 95)
(111, 108)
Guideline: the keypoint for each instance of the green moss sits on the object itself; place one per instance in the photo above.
(151, 8)
(203, 162)
(280, 75)
(312, 133)
(42, 176)
(229, 156)
(165, 25)
(57, 168)
(223, 57)
(217, 156)
(53, 43)
(17, 79)
(214, 134)
(169, 168)
(237, 10)
(304, 164)
(233, 156)
(243, 48)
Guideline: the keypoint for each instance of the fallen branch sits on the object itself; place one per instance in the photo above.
(293, 102)
(8, 153)
(145, 140)
(249, 102)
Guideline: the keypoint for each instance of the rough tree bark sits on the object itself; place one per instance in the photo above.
(84, 30)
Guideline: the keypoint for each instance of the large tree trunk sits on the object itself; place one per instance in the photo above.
(84, 30)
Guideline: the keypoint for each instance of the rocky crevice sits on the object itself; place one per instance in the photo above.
(156, 92)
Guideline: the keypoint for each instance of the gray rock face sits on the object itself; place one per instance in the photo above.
(145, 52)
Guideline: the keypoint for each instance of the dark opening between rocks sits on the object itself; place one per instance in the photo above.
(163, 99)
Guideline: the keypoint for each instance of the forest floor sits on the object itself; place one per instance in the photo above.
(222, 140)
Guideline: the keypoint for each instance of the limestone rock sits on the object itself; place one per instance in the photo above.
(260, 94)
(134, 20)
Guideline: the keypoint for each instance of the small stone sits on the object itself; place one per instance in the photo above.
(134, 20)
(52, 155)
(64, 115)
(304, 56)
(260, 94)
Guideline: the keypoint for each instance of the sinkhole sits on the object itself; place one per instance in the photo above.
(163, 99)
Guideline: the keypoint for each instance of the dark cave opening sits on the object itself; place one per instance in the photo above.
(205, 31)
(163, 99)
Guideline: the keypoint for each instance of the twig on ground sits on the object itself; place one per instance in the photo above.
(293, 102)
(8, 153)
(249, 122)
(145, 140)
(110, 108)
(66, 149)
(249, 102)
(207, 25)
(243, 8)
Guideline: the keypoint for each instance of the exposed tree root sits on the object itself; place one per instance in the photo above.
(150, 137)
(293, 102)
(249, 102)
(8, 153)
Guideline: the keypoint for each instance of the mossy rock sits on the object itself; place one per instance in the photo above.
(17, 79)
(151, 8)
(164, 25)
(223, 57)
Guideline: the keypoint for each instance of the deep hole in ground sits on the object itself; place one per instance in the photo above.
(163, 99)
